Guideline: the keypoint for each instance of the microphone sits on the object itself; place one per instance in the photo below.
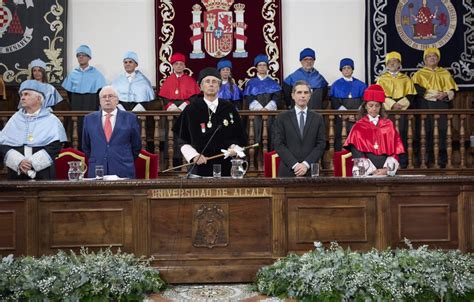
(188, 175)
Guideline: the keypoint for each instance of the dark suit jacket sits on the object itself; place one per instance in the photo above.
(291, 147)
(118, 155)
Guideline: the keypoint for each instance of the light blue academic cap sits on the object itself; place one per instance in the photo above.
(131, 55)
(38, 63)
(85, 50)
(35, 86)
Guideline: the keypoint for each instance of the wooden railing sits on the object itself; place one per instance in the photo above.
(459, 130)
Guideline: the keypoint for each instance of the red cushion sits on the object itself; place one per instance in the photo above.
(342, 163)
(66, 155)
(146, 165)
(271, 162)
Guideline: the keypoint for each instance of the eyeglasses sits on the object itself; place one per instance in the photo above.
(210, 81)
(108, 96)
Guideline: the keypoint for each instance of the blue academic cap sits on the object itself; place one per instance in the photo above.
(223, 64)
(35, 86)
(85, 50)
(260, 58)
(38, 63)
(346, 62)
(307, 52)
(131, 55)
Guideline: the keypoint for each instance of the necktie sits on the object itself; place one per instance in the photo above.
(108, 127)
(301, 123)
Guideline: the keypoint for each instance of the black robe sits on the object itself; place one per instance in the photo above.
(189, 130)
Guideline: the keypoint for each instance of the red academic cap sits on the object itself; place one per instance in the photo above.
(177, 57)
(374, 93)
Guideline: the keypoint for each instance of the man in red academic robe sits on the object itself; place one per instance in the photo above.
(374, 136)
(178, 87)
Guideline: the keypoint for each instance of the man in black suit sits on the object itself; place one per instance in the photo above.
(299, 135)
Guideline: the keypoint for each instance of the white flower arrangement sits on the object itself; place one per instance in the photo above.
(88, 276)
(336, 274)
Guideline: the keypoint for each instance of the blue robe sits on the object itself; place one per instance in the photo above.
(139, 90)
(314, 78)
(118, 155)
(342, 88)
(234, 97)
(38, 131)
(51, 98)
(88, 81)
(263, 91)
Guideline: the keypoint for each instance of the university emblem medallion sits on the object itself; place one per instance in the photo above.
(426, 23)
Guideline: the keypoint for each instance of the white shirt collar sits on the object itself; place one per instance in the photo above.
(34, 114)
(130, 75)
(348, 79)
(394, 74)
(261, 78)
(85, 69)
(212, 104)
(114, 113)
(374, 120)
(298, 110)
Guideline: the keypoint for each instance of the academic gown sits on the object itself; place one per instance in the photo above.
(318, 84)
(192, 128)
(83, 87)
(131, 93)
(235, 96)
(263, 91)
(376, 142)
(347, 93)
(177, 90)
(43, 132)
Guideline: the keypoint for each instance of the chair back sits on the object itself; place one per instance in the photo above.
(64, 157)
(146, 165)
(271, 162)
(342, 161)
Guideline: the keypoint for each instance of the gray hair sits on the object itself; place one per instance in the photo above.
(301, 83)
(36, 93)
(101, 93)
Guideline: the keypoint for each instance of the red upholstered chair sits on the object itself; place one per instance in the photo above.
(146, 165)
(343, 163)
(271, 162)
(66, 155)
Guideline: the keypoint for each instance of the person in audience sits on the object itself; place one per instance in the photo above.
(134, 89)
(111, 137)
(400, 93)
(229, 90)
(308, 73)
(374, 136)
(84, 82)
(346, 94)
(178, 87)
(435, 90)
(83, 85)
(32, 137)
(209, 122)
(38, 73)
(175, 93)
(260, 94)
(299, 135)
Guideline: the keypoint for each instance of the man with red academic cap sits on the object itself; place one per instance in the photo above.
(374, 136)
(175, 93)
(178, 87)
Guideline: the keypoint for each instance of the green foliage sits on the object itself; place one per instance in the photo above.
(336, 274)
(88, 276)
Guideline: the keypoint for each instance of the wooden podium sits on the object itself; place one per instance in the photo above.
(224, 230)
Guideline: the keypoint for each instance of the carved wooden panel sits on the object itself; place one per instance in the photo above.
(249, 228)
(94, 225)
(349, 221)
(210, 224)
(428, 220)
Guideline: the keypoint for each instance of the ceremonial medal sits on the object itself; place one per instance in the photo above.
(203, 128)
(376, 146)
(176, 91)
(30, 137)
(226, 123)
(209, 124)
(231, 118)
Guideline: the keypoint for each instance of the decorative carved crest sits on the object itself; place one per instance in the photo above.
(210, 225)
